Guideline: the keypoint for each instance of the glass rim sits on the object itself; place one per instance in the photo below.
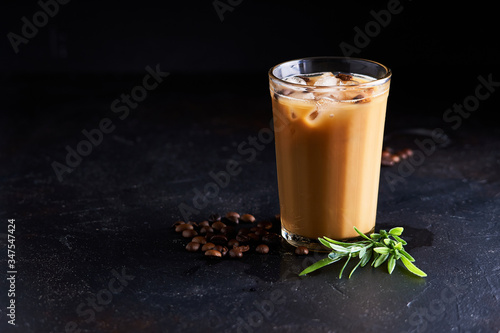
(376, 82)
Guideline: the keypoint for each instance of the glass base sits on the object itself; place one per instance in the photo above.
(312, 243)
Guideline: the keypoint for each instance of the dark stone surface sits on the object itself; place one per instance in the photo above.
(112, 215)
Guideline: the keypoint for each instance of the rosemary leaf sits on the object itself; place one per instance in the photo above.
(379, 246)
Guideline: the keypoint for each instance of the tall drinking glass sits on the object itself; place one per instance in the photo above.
(329, 115)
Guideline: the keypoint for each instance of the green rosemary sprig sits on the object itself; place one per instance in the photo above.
(382, 246)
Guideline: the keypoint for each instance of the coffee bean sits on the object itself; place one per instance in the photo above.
(395, 158)
(271, 239)
(213, 254)
(243, 231)
(218, 225)
(230, 214)
(233, 220)
(242, 248)
(193, 246)
(401, 155)
(183, 226)
(233, 243)
(189, 233)
(262, 249)
(229, 230)
(405, 153)
(235, 253)
(194, 224)
(265, 225)
(301, 250)
(408, 152)
(218, 239)
(178, 223)
(243, 238)
(204, 224)
(214, 217)
(389, 158)
(207, 246)
(387, 161)
(222, 249)
(261, 232)
(206, 230)
(247, 218)
(253, 236)
(389, 150)
(199, 239)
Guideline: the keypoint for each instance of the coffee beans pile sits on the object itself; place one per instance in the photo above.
(229, 236)
(389, 157)
(301, 250)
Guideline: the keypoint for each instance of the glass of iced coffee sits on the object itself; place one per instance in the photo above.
(329, 115)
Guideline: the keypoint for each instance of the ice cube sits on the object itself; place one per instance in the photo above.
(302, 95)
(340, 95)
(323, 102)
(296, 80)
(327, 79)
(345, 95)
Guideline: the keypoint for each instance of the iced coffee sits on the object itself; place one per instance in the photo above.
(329, 123)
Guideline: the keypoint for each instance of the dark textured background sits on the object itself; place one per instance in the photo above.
(114, 211)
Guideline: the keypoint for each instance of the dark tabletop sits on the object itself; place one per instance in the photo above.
(94, 247)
